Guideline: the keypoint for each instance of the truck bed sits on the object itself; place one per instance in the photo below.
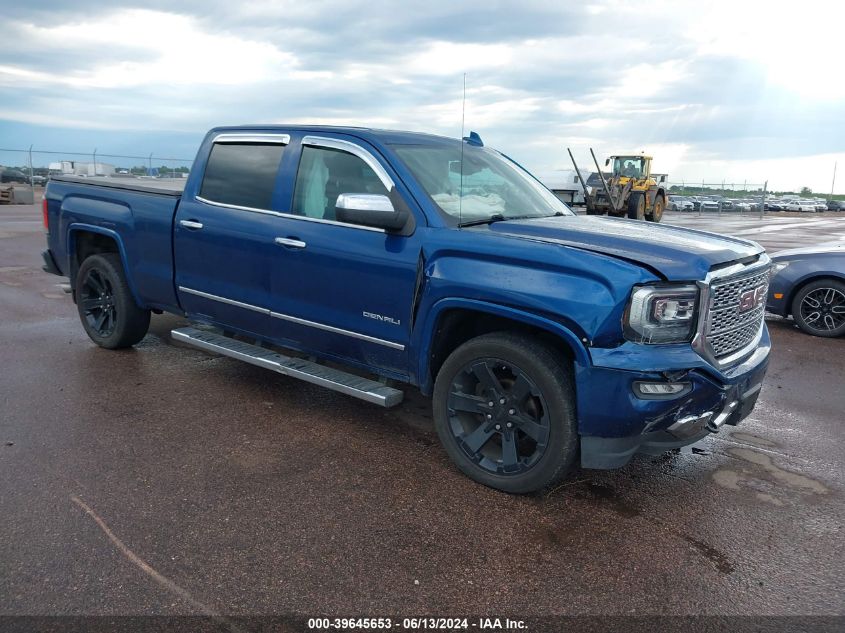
(164, 187)
(136, 214)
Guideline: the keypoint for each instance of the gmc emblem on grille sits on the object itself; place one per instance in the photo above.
(750, 299)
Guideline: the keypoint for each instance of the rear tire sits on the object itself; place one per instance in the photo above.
(636, 206)
(108, 311)
(819, 308)
(657, 210)
(504, 409)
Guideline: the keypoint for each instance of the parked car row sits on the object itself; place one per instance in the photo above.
(742, 205)
(13, 175)
(712, 203)
(804, 204)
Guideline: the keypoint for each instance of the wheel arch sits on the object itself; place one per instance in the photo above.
(84, 240)
(452, 322)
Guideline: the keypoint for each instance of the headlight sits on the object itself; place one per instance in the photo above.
(776, 268)
(661, 314)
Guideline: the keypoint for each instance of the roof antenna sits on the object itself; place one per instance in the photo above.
(461, 191)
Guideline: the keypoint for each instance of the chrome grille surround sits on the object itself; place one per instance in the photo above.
(725, 335)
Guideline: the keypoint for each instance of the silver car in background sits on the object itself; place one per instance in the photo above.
(801, 205)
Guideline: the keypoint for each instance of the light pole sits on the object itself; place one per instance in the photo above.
(763, 199)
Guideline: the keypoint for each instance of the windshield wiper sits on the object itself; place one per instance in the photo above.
(498, 217)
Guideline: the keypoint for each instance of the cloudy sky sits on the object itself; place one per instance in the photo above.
(735, 91)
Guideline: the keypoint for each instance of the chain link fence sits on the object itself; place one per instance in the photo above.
(33, 166)
(720, 197)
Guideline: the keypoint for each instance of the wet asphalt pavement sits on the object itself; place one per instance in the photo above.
(163, 480)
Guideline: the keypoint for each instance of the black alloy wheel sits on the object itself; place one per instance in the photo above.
(498, 416)
(97, 303)
(819, 308)
(504, 409)
(107, 309)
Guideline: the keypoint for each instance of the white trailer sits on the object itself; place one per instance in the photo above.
(564, 184)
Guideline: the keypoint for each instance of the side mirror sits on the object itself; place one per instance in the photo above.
(369, 209)
(606, 162)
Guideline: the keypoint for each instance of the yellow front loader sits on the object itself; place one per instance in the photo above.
(628, 190)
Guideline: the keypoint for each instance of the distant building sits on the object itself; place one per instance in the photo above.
(79, 168)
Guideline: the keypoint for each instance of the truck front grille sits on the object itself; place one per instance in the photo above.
(737, 307)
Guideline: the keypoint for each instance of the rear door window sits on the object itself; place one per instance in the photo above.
(242, 174)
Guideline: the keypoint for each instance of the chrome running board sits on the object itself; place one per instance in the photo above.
(306, 370)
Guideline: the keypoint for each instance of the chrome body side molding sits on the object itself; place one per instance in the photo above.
(293, 319)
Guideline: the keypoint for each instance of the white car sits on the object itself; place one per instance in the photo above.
(678, 203)
(801, 205)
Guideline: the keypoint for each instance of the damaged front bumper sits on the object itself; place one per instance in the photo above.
(627, 423)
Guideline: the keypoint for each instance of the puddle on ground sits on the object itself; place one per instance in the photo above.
(754, 440)
(719, 560)
(609, 498)
(767, 498)
(786, 477)
(764, 478)
(728, 478)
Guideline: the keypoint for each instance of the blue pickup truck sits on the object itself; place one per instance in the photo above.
(362, 259)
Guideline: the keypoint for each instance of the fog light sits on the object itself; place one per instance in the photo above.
(661, 390)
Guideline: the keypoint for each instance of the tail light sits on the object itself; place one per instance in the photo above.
(44, 213)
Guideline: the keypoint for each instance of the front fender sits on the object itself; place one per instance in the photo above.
(428, 331)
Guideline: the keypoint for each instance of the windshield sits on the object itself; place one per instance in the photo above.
(631, 166)
(494, 187)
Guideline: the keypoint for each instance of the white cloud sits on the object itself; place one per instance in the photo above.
(449, 58)
(720, 90)
(797, 48)
(171, 48)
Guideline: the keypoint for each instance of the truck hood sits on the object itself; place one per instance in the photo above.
(674, 252)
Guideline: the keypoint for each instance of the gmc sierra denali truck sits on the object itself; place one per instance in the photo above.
(360, 259)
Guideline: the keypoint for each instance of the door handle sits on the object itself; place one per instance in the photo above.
(291, 242)
(191, 224)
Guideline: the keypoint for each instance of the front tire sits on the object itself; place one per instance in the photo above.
(108, 311)
(636, 206)
(504, 411)
(819, 308)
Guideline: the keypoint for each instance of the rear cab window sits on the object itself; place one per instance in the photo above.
(242, 174)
